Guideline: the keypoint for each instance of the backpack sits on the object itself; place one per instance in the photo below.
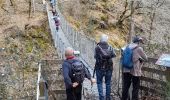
(105, 56)
(57, 22)
(127, 57)
(78, 70)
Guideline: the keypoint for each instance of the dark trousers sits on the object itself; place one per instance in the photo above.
(127, 80)
(74, 93)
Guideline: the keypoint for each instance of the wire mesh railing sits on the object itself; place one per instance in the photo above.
(78, 40)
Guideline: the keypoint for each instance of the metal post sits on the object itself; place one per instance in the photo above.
(42, 88)
(63, 51)
(55, 40)
(67, 30)
(76, 46)
(60, 48)
(38, 81)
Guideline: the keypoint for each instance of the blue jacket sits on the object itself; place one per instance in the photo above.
(68, 74)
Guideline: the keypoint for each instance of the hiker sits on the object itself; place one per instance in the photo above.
(104, 66)
(57, 21)
(74, 73)
(133, 57)
(53, 3)
(54, 12)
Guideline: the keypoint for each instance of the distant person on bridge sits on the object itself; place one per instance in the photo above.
(53, 3)
(104, 66)
(132, 61)
(57, 21)
(74, 73)
(54, 12)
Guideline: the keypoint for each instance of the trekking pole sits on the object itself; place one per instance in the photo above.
(94, 72)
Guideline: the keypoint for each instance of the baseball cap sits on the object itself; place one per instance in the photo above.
(138, 39)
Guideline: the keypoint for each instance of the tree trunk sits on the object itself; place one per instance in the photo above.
(120, 21)
(29, 9)
(11, 3)
(33, 3)
(131, 31)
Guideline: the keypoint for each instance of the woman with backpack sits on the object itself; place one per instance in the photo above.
(132, 61)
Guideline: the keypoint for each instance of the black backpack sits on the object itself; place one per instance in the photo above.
(78, 70)
(105, 56)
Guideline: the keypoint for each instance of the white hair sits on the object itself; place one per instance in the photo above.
(68, 48)
(104, 38)
(69, 51)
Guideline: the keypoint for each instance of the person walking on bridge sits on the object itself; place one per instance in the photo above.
(74, 73)
(57, 21)
(104, 66)
(132, 61)
(53, 3)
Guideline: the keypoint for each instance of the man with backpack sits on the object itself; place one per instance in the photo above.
(104, 66)
(132, 61)
(74, 73)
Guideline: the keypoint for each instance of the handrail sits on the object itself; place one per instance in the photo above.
(79, 41)
(38, 81)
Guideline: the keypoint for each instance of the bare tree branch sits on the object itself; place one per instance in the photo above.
(2, 7)
(11, 3)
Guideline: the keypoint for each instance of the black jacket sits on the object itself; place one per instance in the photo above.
(103, 45)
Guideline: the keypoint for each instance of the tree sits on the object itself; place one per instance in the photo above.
(129, 7)
(152, 16)
(11, 1)
(29, 11)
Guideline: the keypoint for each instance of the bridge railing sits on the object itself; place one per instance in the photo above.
(42, 92)
(52, 74)
(154, 80)
(78, 40)
(38, 81)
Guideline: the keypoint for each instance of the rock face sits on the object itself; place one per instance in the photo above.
(25, 41)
